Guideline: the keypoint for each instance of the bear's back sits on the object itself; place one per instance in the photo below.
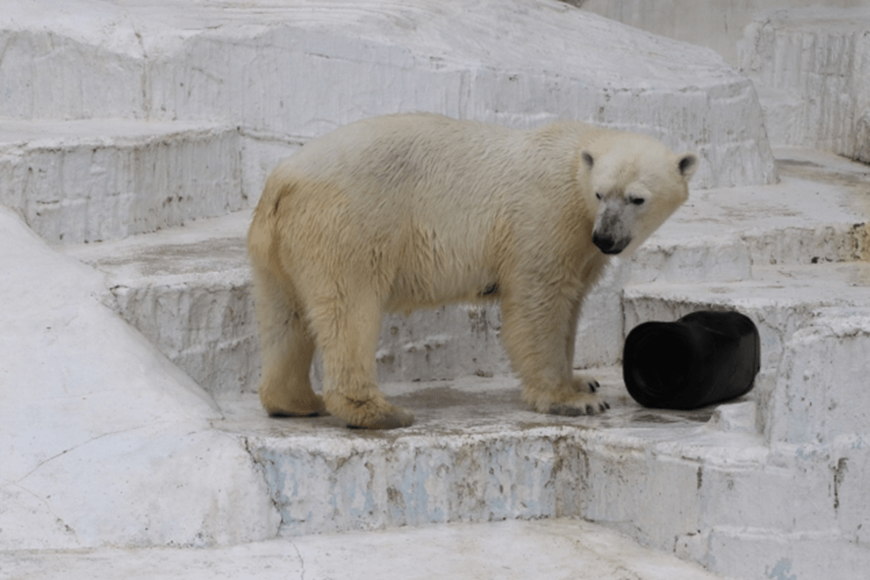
(435, 162)
(396, 147)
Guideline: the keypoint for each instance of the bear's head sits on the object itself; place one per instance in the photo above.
(637, 183)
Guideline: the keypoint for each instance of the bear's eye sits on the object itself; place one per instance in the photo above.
(598, 196)
(636, 200)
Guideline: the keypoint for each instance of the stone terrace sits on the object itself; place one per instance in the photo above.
(134, 140)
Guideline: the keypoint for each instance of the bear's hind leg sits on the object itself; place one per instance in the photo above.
(538, 335)
(348, 326)
(287, 350)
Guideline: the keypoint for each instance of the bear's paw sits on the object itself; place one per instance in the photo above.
(581, 404)
(282, 404)
(374, 413)
(584, 384)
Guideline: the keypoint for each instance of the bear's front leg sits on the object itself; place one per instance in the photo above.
(538, 334)
(347, 326)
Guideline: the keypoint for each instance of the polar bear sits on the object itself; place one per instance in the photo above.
(411, 211)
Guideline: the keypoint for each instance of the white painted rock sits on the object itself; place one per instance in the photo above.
(303, 67)
(821, 394)
(103, 439)
(811, 65)
(94, 180)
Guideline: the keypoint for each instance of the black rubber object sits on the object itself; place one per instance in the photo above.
(703, 358)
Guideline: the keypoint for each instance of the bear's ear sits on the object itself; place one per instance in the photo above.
(687, 164)
(587, 159)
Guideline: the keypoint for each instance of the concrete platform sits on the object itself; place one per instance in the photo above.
(779, 299)
(477, 454)
(817, 213)
(552, 549)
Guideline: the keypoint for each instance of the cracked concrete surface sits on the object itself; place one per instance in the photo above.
(79, 458)
(511, 550)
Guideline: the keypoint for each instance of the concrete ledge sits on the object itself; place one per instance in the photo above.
(698, 484)
(717, 24)
(756, 553)
(780, 300)
(476, 453)
(188, 290)
(820, 394)
(808, 62)
(817, 213)
(87, 181)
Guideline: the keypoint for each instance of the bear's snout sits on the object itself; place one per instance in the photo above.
(608, 244)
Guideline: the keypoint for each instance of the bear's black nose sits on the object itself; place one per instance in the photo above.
(607, 244)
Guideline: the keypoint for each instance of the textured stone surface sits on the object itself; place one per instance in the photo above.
(779, 299)
(812, 66)
(705, 485)
(821, 396)
(811, 394)
(301, 68)
(476, 453)
(104, 439)
(87, 181)
(717, 24)
(552, 549)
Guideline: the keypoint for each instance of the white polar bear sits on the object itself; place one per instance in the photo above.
(414, 211)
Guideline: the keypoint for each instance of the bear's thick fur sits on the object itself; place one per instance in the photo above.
(414, 211)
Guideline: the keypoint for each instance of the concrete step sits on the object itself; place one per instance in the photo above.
(816, 213)
(551, 549)
(188, 289)
(302, 67)
(94, 180)
(477, 454)
(810, 67)
(780, 299)
(821, 395)
(704, 485)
